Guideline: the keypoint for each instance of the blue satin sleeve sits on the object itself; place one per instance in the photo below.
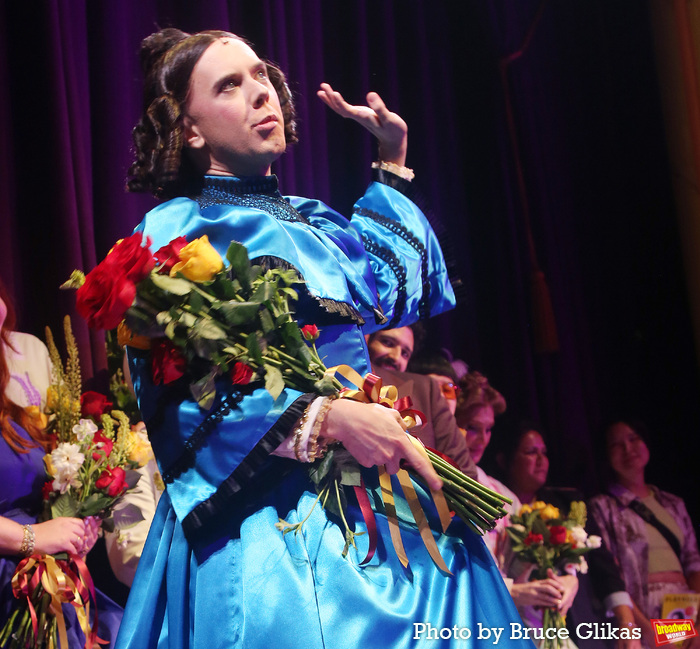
(406, 262)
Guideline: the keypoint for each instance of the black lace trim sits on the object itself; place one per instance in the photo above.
(217, 503)
(401, 231)
(329, 305)
(450, 250)
(196, 440)
(259, 193)
(391, 260)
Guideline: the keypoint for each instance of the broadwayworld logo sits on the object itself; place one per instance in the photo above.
(668, 631)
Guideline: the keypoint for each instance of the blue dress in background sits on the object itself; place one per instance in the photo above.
(215, 572)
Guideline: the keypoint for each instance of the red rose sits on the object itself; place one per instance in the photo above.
(167, 363)
(112, 481)
(169, 255)
(103, 444)
(557, 534)
(241, 374)
(93, 404)
(110, 288)
(533, 539)
(310, 332)
(47, 490)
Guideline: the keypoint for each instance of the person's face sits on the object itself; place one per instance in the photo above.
(628, 454)
(530, 464)
(391, 348)
(448, 389)
(478, 431)
(233, 119)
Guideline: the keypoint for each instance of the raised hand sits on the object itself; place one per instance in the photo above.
(389, 128)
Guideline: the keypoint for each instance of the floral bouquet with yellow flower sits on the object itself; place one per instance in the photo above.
(89, 469)
(542, 535)
(202, 319)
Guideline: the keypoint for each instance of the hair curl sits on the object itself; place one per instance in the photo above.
(168, 58)
(476, 393)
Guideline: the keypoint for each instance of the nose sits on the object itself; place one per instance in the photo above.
(260, 92)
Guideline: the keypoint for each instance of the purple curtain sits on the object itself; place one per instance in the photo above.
(592, 153)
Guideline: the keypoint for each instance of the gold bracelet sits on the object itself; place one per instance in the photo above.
(299, 432)
(392, 167)
(28, 541)
(317, 450)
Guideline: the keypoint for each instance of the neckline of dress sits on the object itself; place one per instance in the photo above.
(267, 185)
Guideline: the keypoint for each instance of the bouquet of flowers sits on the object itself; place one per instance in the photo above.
(203, 321)
(542, 535)
(89, 469)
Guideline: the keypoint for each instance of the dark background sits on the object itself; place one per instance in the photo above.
(586, 107)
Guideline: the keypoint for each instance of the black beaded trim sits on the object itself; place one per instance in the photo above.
(391, 260)
(221, 499)
(401, 231)
(195, 441)
(268, 262)
(257, 193)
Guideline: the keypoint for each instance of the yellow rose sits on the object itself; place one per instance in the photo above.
(199, 261)
(525, 509)
(39, 417)
(549, 512)
(539, 504)
(49, 465)
(140, 450)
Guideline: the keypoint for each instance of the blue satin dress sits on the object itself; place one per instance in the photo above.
(215, 572)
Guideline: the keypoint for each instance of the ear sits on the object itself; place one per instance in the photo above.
(193, 137)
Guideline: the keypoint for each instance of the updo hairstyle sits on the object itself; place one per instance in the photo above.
(476, 393)
(168, 58)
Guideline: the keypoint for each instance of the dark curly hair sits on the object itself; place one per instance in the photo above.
(168, 58)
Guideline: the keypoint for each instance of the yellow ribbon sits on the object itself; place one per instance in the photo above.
(371, 390)
(61, 587)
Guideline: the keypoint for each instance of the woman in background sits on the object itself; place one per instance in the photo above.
(648, 530)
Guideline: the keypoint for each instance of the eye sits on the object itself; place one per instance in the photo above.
(262, 74)
(229, 84)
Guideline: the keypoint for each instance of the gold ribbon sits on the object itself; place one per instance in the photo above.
(63, 587)
(371, 390)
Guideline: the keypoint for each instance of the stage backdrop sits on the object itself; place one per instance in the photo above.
(536, 136)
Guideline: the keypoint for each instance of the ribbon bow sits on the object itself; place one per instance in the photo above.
(371, 390)
(65, 582)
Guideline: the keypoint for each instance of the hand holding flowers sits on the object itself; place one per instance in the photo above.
(555, 545)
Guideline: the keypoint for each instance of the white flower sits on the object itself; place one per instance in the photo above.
(594, 541)
(519, 528)
(583, 566)
(84, 429)
(579, 536)
(67, 458)
(65, 479)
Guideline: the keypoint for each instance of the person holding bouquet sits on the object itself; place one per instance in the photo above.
(216, 570)
(588, 587)
(23, 445)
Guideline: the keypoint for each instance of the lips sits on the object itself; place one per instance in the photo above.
(267, 120)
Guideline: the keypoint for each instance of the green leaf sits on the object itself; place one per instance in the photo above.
(252, 343)
(266, 321)
(204, 390)
(237, 256)
(94, 504)
(274, 383)
(65, 505)
(207, 328)
(126, 516)
(174, 285)
(238, 313)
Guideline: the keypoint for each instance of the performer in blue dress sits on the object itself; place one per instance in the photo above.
(215, 571)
